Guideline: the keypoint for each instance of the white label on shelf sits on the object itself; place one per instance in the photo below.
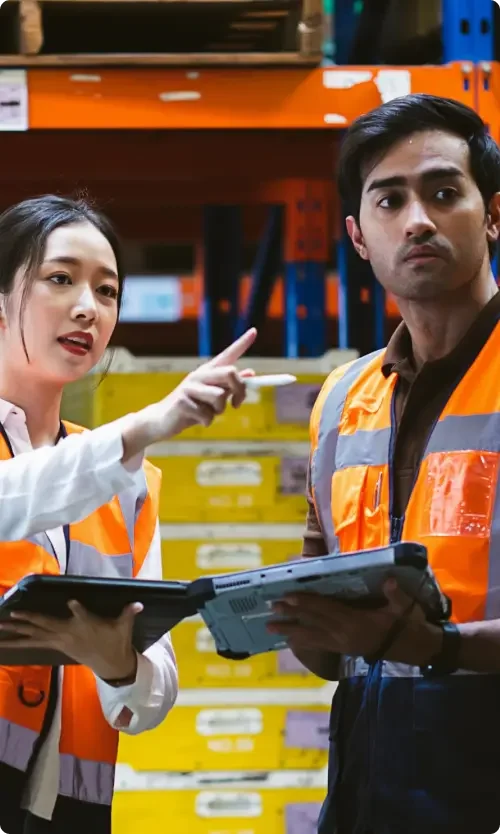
(180, 95)
(13, 100)
(156, 298)
(334, 79)
(234, 473)
(205, 643)
(244, 556)
(334, 119)
(393, 84)
(235, 722)
(228, 804)
(85, 78)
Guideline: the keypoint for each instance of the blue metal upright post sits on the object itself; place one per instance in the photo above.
(361, 301)
(305, 308)
(346, 14)
(343, 293)
(483, 32)
(223, 241)
(266, 269)
(307, 240)
(494, 265)
(328, 32)
(467, 27)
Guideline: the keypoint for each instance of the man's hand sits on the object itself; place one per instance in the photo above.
(105, 646)
(322, 624)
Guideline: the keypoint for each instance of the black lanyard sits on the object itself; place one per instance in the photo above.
(61, 436)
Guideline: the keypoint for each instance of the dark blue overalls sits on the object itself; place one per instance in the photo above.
(412, 755)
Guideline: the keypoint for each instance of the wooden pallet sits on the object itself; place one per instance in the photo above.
(168, 32)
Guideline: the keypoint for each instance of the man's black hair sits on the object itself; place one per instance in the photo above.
(372, 135)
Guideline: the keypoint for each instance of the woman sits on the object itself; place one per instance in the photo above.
(81, 502)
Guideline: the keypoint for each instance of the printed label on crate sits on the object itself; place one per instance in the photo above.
(294, 475)
(288, 664)
(307, 730)
(294, 403)
(13, 100)
(302, 817)
(210, 804)
(222, 556)
(252, 397)
(231, 473)
(232, 722)
(205, 643)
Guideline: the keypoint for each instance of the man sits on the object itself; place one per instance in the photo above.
(406, 446)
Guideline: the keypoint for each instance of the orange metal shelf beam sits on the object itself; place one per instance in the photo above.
(228, 98)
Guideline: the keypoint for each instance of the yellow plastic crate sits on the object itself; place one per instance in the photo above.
(191, 551)
(235, 737)
(268, 414)
(229, 483)
(280, 414)
(216, 811)
(200, 665)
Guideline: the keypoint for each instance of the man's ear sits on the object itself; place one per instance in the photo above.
(356, 236)
(493, 219)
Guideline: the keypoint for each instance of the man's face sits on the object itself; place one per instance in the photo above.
(423, 224)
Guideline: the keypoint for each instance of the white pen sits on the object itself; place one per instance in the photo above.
(269, 380)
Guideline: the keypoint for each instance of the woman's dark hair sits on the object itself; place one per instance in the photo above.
(372, 135)
(25, 228)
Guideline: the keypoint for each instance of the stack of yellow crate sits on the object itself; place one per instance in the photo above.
(245, 749)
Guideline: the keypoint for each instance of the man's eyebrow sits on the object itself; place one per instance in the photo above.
(427, 176)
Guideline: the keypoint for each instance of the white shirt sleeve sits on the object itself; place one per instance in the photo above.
(145, 703)
(56, 485)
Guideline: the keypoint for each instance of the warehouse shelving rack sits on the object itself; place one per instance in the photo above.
(226, 136)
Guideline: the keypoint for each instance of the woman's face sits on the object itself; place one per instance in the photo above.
(71, 309)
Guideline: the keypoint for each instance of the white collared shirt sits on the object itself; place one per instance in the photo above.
(40, 491)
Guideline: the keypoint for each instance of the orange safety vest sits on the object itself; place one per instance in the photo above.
(454, 508)
(112, 541)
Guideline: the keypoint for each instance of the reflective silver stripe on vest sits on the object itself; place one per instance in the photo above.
(16, 744)
(86, 781)
(363, 448)
(324, 459)
(479, 432)
(476, 432)
(85, 560)
(492, 611)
